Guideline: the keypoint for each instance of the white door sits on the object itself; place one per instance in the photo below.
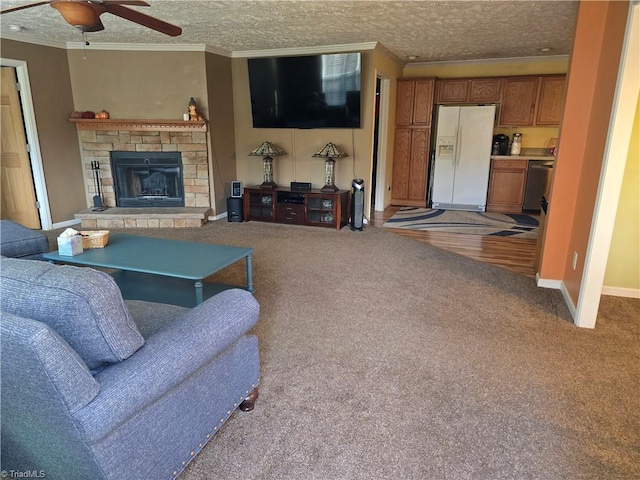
(445, 157)
(475, 133)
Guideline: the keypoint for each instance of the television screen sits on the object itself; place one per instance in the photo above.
(319, 91)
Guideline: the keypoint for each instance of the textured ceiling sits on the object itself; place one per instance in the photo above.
(432, 30)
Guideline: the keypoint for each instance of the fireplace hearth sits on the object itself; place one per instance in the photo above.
(148, 179)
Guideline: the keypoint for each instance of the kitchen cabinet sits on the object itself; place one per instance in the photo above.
(518, 101)
(452, 91)
(414, 102)
(551, 100)
(410, 160)
(485, 90)
(468, 90)
(414, 105)
(507, 180)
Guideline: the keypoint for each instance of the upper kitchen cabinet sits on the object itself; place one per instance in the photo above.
(532, 101)
(485, 90)
(551, 100)
(452, 91)
(468, 90)
(518, 103)
(414, 102)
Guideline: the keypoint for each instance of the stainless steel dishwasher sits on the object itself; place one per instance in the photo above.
(538, 180)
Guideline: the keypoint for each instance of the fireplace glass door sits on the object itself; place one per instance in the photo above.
(146, 179)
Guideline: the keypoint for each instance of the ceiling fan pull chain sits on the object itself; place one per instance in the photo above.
(84, 45)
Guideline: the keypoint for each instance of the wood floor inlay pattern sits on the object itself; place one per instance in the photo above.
(513, 254)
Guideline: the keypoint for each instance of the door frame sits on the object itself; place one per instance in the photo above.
(614, 162)
(35, 156)
(383, 132)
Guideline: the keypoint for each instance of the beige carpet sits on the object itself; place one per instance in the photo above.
(385, 358)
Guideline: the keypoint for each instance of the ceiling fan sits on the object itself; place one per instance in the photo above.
(85, 14)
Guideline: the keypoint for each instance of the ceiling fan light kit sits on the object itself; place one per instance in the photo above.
(85, 14)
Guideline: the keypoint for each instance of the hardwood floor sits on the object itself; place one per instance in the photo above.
(514, 254)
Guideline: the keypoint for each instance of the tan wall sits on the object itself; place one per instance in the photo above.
(505, 68)
(222, 128)
(591, 84)
(138, 84)
(623, 265)
(52, 96)
(388, 67)
(300, 145)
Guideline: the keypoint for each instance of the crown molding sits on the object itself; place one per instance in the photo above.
(28, 39)
(148, 47)
(484, 61)
(280, 52)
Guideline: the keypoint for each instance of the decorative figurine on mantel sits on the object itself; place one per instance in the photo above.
(194, 111)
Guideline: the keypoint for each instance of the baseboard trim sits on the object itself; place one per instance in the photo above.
(548, 283)
(68, 223)
(558, 285)
(621, 292)
(220, 216)
(568, 301)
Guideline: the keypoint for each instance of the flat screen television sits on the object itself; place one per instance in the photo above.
(317, 91)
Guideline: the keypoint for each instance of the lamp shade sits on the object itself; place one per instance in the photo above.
(267, 149)
(330, 150)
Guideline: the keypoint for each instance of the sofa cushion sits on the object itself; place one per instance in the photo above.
(84, 306)
(21, 242)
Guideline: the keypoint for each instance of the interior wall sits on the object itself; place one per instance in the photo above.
(138, 84)
(300, 144)
(623, 264)
(495, 68)
(222, 153)
(590, 89)
(388, 67)
(52, 96)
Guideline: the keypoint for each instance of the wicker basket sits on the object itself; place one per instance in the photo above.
(94, 239)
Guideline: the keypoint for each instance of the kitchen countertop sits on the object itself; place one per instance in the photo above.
(523, 157)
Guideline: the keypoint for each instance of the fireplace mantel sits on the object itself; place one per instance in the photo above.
(136, 125)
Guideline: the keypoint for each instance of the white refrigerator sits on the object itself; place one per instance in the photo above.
(462, 157)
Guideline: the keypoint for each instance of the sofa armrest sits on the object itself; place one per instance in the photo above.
(167, 358)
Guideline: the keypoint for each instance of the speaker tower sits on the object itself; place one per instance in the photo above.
(357, 204)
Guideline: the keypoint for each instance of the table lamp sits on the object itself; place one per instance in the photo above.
(267, 150)
(329, 152)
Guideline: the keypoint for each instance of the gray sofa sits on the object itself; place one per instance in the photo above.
(18, 241)
(94, 387)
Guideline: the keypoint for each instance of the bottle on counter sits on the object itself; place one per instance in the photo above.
(496, 148)
(516, 144)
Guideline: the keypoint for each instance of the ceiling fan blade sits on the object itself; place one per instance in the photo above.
(143, 19)
(22, 7)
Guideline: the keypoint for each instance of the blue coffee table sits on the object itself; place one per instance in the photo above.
(160, 270)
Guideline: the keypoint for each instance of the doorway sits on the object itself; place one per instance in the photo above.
(33, 201)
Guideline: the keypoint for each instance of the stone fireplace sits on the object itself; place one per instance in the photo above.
(100, 139)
